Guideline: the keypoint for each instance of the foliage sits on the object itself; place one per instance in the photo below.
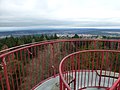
(15, 41)
(75, 36)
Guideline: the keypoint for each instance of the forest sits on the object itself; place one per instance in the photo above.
(11, 41)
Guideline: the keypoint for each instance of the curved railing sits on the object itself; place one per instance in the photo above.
(90, 69)
(116, 85)
(27, 66)
(20, 46)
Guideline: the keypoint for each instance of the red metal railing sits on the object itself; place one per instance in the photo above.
(90, 68)
(25, 67)
(116, 85)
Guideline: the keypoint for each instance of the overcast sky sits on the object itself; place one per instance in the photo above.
(74, 13)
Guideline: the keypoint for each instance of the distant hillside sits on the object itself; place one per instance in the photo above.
(91, 31)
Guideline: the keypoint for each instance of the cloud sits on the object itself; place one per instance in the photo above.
(39, 12)
(61, 8)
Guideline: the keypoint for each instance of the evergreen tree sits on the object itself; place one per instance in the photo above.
(55, 36)
(75, 36)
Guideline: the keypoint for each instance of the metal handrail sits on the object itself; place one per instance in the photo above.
(14, 49)
(116, 85)
(20, 46)
(54, 70)
(63, 82)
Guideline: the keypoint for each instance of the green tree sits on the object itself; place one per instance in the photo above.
(55, 36)
(75, 36)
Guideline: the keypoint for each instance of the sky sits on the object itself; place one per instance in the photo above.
(59, 13)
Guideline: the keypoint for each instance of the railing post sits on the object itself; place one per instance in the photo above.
(53, 71)
(75, 81)
(60, 84)
(52, 60)
(101, 68)
(5, 73)
(116, 85)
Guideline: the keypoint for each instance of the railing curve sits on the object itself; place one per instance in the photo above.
(25, 67)
(90, 69)
(116, 85)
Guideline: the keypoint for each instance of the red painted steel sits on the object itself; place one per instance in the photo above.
(116, 85)
(107, 75)
(28, 65)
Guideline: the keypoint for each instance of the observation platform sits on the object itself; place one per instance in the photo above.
(67, 64)
(53, 82)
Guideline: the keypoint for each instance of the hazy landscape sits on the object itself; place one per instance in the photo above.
(50, 31)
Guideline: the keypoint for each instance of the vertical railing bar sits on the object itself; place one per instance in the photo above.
(43, 64)
(113, 71)
(78, 66)
(108, 63)
(15, 70)
(101, 69)
(70, 73)
(5, 73)
(88, 68)
(18, 68)
(67, 71)
(60, 83)
(39, 58)
(109, 72)
(112, 59)
(72, 61)
(2, 84)
(85, 60)
(39, 64)
(96, 67)
(25, 63)
(63, 46)
(56, 58)
(50, 63)
(64, 71)
(11, 70)
(28, 69)
(105, 68)
(115, 66)
(75, 73)
(53, 59)
(92, 67)
(21, 56)
(32, 65)
(36, 62)
(50, 59)
(82, 69)
(66, 65)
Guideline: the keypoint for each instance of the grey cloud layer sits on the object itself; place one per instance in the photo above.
(59, 13)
